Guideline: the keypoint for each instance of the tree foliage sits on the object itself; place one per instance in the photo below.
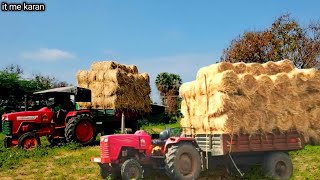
(285, 39)
(13, 87)
(168, 85)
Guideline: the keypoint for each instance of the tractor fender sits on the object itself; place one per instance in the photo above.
(175, 140)
(75, 113)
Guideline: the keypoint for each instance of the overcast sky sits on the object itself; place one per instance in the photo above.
(175, 36)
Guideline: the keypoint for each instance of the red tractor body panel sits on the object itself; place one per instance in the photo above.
(111, 145)
(26, 119)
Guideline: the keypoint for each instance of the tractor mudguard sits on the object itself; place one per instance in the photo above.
(75, 113)
(176, 140)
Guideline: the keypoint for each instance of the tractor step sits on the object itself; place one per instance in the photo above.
(158, 157)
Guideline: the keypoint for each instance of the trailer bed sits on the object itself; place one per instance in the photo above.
(221, 144)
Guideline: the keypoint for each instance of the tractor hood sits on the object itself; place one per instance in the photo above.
(26, 115)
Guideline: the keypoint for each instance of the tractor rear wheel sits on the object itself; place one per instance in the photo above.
(29, 141)
(131, 169)
(81, 129)
(183, 162)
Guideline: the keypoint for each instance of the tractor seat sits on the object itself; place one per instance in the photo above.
(158, 142)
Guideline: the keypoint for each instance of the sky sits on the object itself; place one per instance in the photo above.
(175, 36)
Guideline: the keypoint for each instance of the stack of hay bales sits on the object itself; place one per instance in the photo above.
(116, 86)
(252, 98)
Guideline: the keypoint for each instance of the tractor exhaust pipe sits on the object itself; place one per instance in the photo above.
(123, 123)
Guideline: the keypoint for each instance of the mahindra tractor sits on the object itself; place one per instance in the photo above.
(57, 119)
(183, 156)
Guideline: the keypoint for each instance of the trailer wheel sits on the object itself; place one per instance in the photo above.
(278, 165)
(131, 169)
(108, 172)
(81, 129)
(183, 162)
(29, 141)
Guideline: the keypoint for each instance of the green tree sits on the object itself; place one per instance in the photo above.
(285, 39)
(168, 85)
(13, 87)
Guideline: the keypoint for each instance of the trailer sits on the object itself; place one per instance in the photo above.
(184, 156)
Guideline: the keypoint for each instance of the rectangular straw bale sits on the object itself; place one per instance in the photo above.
(284, 66)
(214, 69)
(104, 65)
(82, 76)
(96, 89)
(226, 82)
(248, 84)
(255, 69)
(240, 67)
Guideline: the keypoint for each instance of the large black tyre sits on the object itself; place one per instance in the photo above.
(81, 129)
(183, 162)
(131, 169)
(278, 165)
(107, 172)
(29, 141)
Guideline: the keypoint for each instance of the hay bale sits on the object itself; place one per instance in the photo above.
(104, 65)
(284, 66)
(115, 76)
(84, 105)
(265, 85)
(146, 77)
(96, 89)
(226, 82)
(255, 69)
(282, 84)
(110, 88)
(248, 84)
(82, 76)
(187, 90)
(133, 69)
(96, 76)
(214, 69)
(240, 67)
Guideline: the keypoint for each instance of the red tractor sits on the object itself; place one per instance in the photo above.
(67, 124)
(183, 157)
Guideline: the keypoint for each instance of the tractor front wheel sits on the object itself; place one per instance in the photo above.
(183, 162)
(131, 169)
(29, 141)
(81, 129)
(7, 142)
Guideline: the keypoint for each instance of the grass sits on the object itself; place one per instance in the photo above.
(72, 161)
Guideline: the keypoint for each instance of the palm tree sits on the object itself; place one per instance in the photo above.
(168, 85)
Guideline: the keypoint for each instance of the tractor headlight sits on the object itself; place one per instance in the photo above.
(103, 139)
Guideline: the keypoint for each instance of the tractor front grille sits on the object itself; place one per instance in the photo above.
(104, 150)
(7, 127)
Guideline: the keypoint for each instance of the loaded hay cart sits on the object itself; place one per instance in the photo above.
(184, 157)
